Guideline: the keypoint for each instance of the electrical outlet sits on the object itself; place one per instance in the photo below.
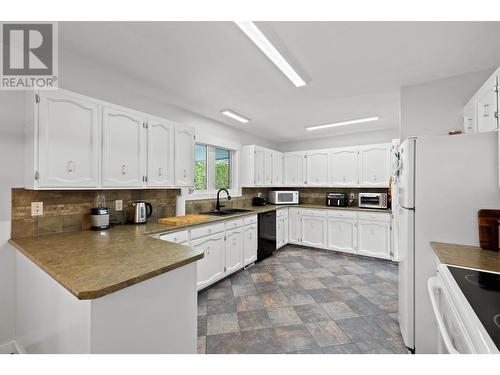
(36, 208)
(119, 205)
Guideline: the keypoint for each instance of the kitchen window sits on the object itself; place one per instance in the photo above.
(213, 168)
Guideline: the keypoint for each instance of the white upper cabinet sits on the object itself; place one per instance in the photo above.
(317, 168)
(268, 167)
(487, 105)
(258, 166)
(184, 155)
(295, 169)
(374, 167)
(470, 116)
(160, 152)
(124, 148)
(69, 141)
(277, 168)
(343, 167)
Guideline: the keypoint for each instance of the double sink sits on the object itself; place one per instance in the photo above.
(225, 212)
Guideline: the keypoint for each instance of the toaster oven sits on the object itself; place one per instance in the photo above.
(372, 200)
(283, 197)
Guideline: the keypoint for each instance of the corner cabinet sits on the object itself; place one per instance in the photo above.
(184, 155)
(277, 168)
(258, 166)
(374, 168)
(68, 141)
(160, 152)
(123, 148)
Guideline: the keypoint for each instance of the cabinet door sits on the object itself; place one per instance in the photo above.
(211, 267)
(374, 165)
(279, 232)
(259, 166)
(250, 244)
(343, 167)
(234, 250)
(160, 152)
(374, 239)
(277, 168)
(69, 141)
(184, 156)
(313, 231)
(124, 148)
(487, 106)
(342, 235)
(317, 168)
(268, 167)
(293, 225)
(285, 226)
(294, 169)
(470, 118)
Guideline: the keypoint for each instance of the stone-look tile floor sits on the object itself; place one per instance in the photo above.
(303, 301)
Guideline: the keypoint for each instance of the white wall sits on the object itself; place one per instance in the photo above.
(344, 140)
(11, 175)
(434, 108)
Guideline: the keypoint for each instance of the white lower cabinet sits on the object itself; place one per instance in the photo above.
(234, 250)
(342, 234)
(293, 225)
(285, 226)
(280, 232)
(313, 228)
(211, 267)
(374, 238)
(250, 244)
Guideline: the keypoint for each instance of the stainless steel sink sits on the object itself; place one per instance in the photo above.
(225, 212)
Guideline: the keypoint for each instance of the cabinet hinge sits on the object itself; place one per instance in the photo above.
(225, 269)
(37, 98)
(37, 175)
(145, 178)
(495, 88)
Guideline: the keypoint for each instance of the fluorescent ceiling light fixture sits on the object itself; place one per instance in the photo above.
(342, 123)
(235, 116)
(272, 53)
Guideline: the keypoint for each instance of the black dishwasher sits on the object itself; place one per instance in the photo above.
(267, 235)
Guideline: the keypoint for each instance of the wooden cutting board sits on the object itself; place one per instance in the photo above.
(488, 221)
(183, 220)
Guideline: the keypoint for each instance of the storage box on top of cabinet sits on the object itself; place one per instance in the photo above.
(78, 142)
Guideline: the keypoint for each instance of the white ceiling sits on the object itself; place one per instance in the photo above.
(353, 69)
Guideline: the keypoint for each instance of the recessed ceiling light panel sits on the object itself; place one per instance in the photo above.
(342, 123)
(256, 36)
(235, 116)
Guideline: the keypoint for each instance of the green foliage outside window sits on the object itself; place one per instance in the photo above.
(200, 175)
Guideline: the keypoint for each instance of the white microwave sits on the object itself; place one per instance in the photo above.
(283, 197)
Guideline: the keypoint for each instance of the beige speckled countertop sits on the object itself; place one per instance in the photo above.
(467, 256)
(93, 264)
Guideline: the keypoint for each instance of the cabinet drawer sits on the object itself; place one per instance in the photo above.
(250, 220)
(177, 237)
(235, 223)
(207, 230)
(279, 213)
(251, 227)
(314, 213)
(375, 216)
(343, 214)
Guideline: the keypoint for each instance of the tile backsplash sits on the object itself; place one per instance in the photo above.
(69, 210)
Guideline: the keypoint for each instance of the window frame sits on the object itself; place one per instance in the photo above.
(211, 191)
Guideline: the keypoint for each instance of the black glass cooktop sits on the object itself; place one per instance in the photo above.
(482, 290)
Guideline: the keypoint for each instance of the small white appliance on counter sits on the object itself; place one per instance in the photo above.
(283, 197)
(443, 182)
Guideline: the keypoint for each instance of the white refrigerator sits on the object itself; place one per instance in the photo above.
(442, 182)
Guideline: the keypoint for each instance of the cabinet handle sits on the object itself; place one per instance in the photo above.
(159, 172)
(124, 169)
(486, 110)
(70, 166)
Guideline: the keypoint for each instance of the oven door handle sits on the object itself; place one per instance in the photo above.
(433, 285)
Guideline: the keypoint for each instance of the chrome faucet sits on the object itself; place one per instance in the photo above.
(218, 206)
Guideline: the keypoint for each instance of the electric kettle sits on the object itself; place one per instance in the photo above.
(142, 211)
